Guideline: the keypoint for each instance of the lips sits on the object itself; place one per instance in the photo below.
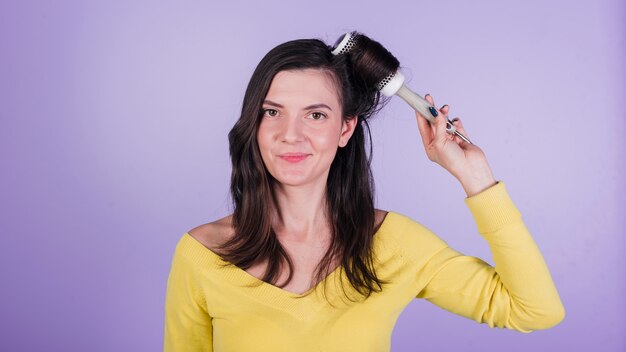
(293, 157)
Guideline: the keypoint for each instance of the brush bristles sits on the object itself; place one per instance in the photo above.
(384, 81)
(374, 66)
(349, 45)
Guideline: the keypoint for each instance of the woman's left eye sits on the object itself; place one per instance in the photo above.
(318, 115)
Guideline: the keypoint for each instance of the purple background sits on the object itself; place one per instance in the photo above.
(113, 124)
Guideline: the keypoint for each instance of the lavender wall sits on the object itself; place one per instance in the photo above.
(113, 123)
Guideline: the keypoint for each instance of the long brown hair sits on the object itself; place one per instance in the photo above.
(350, 186)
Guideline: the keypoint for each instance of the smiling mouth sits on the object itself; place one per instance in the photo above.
(294, 157)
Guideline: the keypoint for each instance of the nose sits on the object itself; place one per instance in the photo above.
(292, 130)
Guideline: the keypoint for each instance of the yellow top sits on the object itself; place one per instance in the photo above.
(209, 308)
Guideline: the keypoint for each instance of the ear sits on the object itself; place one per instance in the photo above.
(347, 129)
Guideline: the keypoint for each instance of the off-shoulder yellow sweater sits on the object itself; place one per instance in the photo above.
(224, 309)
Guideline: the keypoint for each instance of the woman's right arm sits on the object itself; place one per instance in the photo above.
(187, 321)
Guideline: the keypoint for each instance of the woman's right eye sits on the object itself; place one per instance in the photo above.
(270, 112)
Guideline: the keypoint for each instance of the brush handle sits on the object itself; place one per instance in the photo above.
(421, 105)
(417, 102)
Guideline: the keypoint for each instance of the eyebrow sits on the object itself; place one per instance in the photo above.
(314, 106)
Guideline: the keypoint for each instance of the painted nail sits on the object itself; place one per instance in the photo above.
(433, 111)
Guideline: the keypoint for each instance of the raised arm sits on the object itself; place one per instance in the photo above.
(518, 293)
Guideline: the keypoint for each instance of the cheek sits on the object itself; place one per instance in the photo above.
(263, 137)
(328, 139)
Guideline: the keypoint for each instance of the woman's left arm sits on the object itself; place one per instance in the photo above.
(519, 292)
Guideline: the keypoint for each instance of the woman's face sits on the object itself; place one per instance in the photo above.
(302, 127)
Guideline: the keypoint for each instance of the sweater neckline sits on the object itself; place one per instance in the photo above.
(262, 288)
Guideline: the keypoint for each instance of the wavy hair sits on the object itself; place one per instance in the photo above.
(350, 186)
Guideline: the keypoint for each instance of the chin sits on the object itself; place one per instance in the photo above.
(292, 179)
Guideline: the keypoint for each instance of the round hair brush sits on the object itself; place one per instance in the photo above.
(389, 80)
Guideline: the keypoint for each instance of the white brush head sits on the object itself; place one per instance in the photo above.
(390, 85)
(346, 44)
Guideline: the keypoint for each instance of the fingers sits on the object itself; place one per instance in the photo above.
(459, 127)
(458, 124)
(425, 128)
(445, 110)
(439, 129)
(440, 121)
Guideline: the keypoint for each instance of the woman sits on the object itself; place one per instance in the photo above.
(304, 218)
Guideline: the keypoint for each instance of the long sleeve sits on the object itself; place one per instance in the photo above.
(188, 325)
(518, 293)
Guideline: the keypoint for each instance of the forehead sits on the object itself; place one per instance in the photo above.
(303, 87)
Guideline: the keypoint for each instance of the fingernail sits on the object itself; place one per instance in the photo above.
(448, 125)
(444, 106)
(433, 111)
(455, 119)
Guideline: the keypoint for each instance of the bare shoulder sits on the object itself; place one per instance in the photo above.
(212, 234)
(380, 217)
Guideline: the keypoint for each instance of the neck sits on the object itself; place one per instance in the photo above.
(301, 215)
